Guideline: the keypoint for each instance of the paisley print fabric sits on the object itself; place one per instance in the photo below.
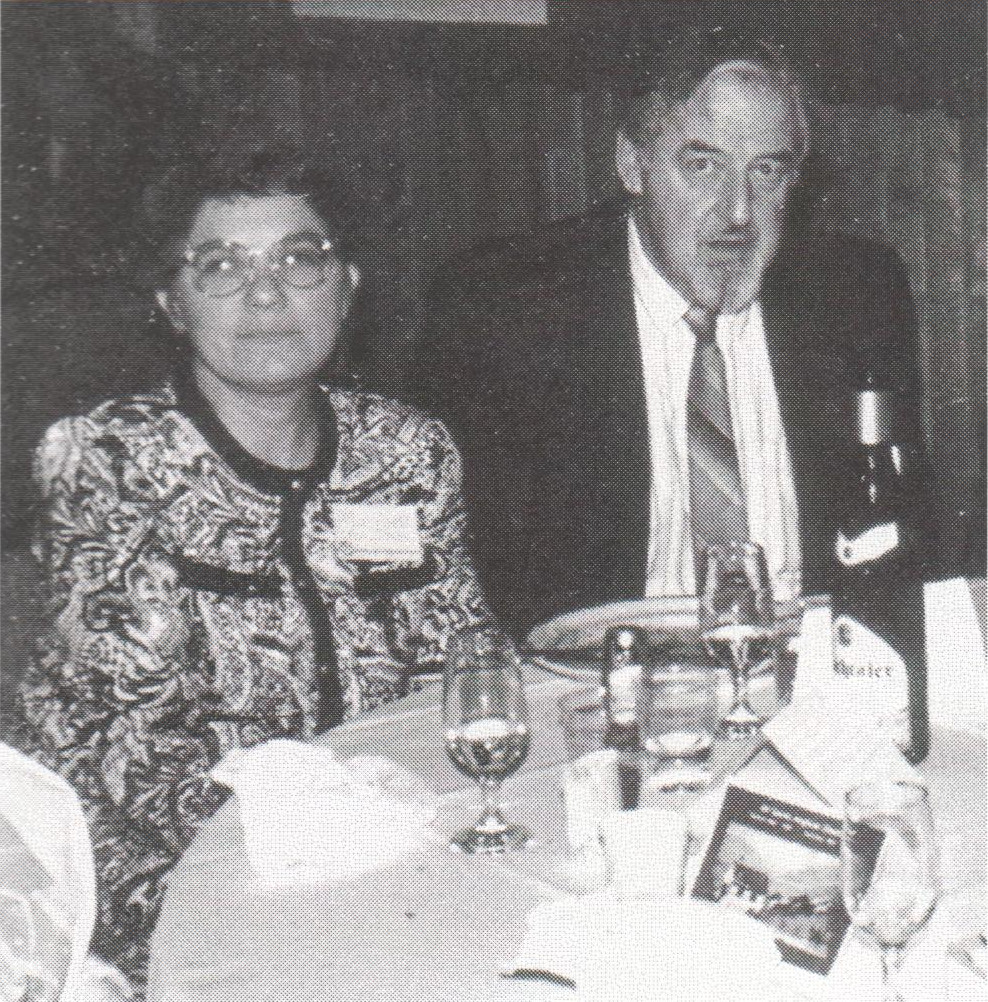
(183, 624)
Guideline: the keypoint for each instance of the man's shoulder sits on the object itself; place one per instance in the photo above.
(829, 254)
(538, 257)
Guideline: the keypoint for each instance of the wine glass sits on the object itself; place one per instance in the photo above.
(889, 867)
(487, 733)
(736, 614)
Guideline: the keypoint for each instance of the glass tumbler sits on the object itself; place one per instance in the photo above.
(678, 718)
(583, 720)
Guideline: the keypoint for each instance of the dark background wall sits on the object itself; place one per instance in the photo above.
(459, 133)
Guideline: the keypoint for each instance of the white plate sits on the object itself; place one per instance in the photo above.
(570, 644)
(584, 629)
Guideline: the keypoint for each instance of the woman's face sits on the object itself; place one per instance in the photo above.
(267, 335)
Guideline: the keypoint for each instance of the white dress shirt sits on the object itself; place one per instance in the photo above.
(667, 345)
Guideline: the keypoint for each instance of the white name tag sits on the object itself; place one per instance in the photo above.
(870, 545)
(378, 533)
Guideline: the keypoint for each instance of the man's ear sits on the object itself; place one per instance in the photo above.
(628, 164)
(354, 273)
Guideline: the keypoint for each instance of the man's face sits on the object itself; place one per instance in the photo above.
(710, 180)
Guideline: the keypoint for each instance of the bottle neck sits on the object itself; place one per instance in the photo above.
(878, 490)
(879, 485)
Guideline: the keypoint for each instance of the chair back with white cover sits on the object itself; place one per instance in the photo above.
(47, 885)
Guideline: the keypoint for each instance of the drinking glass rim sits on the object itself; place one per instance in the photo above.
(872, 793)
(587, 699)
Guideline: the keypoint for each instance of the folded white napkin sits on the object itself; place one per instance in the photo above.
(647, 851)
(834, 753)
(309, 818)
(647, 950)
(955, 652)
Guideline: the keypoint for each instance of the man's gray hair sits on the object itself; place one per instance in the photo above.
(671, 70)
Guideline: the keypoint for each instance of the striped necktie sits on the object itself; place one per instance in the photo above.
(717, 503)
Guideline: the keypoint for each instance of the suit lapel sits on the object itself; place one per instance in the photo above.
(813, 397)
(780, 335)
(618, 461)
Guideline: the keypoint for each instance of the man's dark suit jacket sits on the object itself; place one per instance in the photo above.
(531, 354)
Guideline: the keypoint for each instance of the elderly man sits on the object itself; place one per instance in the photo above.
(631, 386)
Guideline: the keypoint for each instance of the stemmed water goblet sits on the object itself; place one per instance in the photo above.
(487, 734)
(889, 868)
(736, 618)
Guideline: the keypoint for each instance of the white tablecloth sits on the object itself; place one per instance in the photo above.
(442, 926)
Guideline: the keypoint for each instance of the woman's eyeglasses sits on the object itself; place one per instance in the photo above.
(221, 267)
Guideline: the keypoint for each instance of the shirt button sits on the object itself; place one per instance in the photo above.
(296, 485)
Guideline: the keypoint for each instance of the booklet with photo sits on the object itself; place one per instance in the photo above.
(780, 864)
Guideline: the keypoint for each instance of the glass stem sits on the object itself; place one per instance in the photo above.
(891, 959)
(740, 655)
(491, 819)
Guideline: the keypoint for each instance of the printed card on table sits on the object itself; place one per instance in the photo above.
(780, 864)
(833, 752)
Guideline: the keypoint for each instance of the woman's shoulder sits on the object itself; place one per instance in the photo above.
(132, 410)
(107, 426)
(382, 433)
(363, 411)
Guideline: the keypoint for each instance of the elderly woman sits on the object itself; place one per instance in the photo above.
(243, 553)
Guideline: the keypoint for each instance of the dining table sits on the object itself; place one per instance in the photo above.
(442, 925)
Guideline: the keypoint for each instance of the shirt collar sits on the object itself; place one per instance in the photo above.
(663, 303)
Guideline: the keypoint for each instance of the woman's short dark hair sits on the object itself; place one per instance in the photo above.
(233, 166)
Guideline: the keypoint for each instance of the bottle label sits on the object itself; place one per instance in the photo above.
(872, 675)
(870, 545)
(623, 684)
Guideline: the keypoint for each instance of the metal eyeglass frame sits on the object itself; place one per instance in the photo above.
(274, 264)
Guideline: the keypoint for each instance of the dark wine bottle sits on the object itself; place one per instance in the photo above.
(879, 630)
(624, 651)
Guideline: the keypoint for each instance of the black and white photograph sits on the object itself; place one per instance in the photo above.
(780, 864)
(392, 391)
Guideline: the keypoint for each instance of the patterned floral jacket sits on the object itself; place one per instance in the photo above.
(198, 601)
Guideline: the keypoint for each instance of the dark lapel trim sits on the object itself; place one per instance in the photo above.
(293, 487)
(780, 332)
(802, 343)
(260, 475)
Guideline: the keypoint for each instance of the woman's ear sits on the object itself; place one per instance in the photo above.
(628, 164)
(167, 307)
